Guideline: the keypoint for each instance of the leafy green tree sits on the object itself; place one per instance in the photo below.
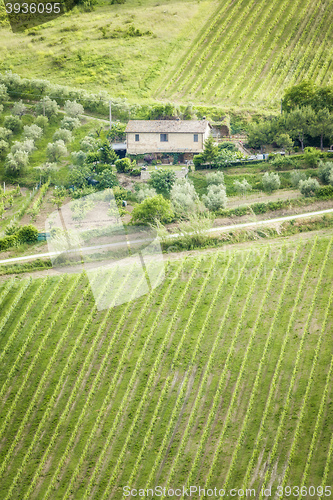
(163, 180)
(153, 209)
(48, 105)
(308, 187)
(55, 150)
(271, 181)
(73, 109)
(92, 157)
(285, 142)
(260, 134)
(300, 122)
(225, 158)
(215, 198)
(59, 196)
(79, 157)
(13, 123)
(117, 132)
(78, 177)
(322, 125)
(299, 95)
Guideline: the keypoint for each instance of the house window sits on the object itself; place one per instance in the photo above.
(137, 137)
(164, 137)
(196, 138)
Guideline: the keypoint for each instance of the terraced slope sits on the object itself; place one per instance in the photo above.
(220, 377)
(249, 51)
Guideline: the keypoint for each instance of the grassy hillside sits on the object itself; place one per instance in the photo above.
(222, 376)
(210, 51)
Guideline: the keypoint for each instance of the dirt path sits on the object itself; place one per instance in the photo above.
(261, 197)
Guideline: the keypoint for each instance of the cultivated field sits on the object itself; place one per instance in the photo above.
(242, 53)
(221, 377)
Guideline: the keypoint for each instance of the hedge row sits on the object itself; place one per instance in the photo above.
(26, 234)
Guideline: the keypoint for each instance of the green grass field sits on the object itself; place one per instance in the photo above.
(222, 376)
(212, 52)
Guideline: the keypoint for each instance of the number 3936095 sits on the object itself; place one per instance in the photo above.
(33, 8)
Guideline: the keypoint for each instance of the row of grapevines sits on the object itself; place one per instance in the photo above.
(84, 369)
(278, 61)
(318, 420)
(293, 377)
(218, 392)
(277, 370)
(106, 400)
(257, 381)
(33, 211)
(201, 42)
(41, 385)
(327, 465)
(235, 390)
(22, 317)
(90, 395)
(203, 381)
(291, 57)
(242, 47)
(16, 300)
(313, 367)
(152, 375)
(158, 359)
(32, 364)
(235, 22)
(272, 35)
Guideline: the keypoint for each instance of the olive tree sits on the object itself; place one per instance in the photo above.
(33, 132)
(184, 197)
(48, 107)
(271, 181)
(308, 187)
(215, 198)
(19, 108)
(73, 108)
(145, 192)
(55, 150)
(242, 187)
(296, 177)
(27, 146)
(62, 134)
(16, 162)
(215, 178)
(70, 123)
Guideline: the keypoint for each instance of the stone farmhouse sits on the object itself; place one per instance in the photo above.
(163, 137)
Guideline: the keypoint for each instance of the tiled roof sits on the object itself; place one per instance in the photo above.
(167, 126)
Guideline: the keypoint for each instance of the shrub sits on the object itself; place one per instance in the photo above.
(33, 132)
(326, 172)
(325, 192)
(152, 210)
(107, 179)
(311, 157)
(296, 177)
(123, 165)
(198, 161)
(107, 153)
(229, 146)
(163, 180)
(42, 121)
(271, 182)
(73, 109)
(56, 149)
(215, 178)
(216, 197)
(13, 123)
(27, 234)
(78, 157)
(70, 123)
(145, 192)
(308, 187)
(62, 134)
(242, 187)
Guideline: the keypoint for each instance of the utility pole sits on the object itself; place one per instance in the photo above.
(281, 105)
(43, 108)
(110, 115)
